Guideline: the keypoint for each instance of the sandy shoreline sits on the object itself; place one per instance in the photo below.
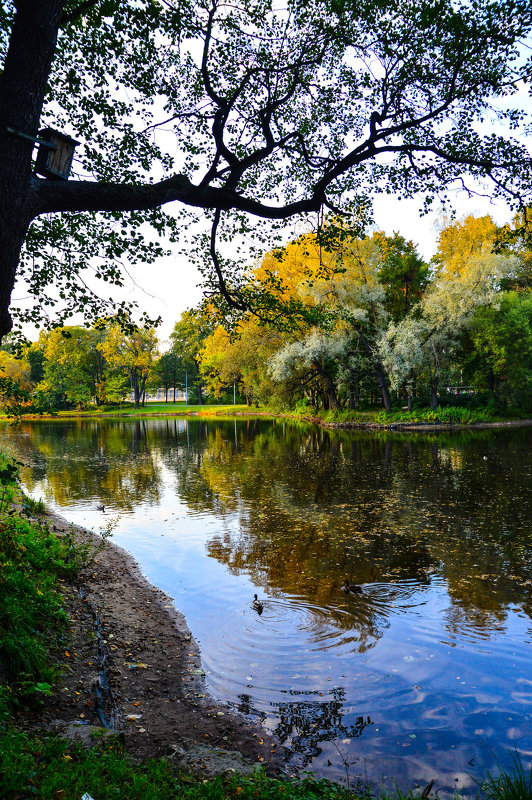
(128, 633)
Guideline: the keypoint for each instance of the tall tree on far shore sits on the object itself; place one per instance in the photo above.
(169, 372)
(131, 355)
(73, 364)
(188, 339)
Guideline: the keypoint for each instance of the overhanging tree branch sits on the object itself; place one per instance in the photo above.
(52, 196)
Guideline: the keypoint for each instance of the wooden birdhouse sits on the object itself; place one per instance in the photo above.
(55, 154)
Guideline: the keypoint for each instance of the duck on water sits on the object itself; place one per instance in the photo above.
(257, 605)
(351, 588)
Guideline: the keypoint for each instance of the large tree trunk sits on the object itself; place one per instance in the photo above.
(352, 390)
(379, 371)
(410, 390)
(385, 394)
(434, 386)
(491, 381)
(330, 388)
(23, 85)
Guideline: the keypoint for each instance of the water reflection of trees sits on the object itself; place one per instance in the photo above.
(73, 462)
(316, 506)
(305, 722)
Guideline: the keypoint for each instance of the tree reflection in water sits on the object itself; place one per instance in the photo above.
(306, 724)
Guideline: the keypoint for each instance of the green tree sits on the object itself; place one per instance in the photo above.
(73, 365)
(36, 359)
(169, 372)
(402, 272)
(188, 339)
(258, 128)
(501, 358)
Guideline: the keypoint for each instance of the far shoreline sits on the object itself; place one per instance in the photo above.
(245, 411)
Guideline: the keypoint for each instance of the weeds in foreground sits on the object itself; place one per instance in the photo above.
(514, 784)
(47, 767)
(33, 508)
(33, 563)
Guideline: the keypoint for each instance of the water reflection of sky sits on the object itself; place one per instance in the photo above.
(424, 676)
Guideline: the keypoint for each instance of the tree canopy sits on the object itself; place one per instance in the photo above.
(240, 110)
(374, 319)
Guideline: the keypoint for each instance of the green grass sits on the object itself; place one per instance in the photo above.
(514, 784)
(33, 562)
(450, 415)
(150, 409)
(445, 415)
(45, 767)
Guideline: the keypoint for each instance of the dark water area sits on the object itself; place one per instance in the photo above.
(425, 674)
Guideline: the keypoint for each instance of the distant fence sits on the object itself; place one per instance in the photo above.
(159, 396)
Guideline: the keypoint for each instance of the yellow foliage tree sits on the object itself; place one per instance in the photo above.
(225, 360)
(459, 241)
(131, 355)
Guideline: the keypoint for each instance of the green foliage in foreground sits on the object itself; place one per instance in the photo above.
(513, 785)
(45, 766)
(33, 624)
(444, 415)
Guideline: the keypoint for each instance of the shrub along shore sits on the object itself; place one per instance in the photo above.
(37, 568)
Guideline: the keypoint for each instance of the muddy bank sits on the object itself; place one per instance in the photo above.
(132, 664)
(425, 426)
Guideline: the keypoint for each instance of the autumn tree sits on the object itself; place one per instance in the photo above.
(241, 360)
(131, 356)
(272, 115)
(469, 276)
(17, 370)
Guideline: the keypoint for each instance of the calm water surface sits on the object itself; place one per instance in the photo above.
(427, 674)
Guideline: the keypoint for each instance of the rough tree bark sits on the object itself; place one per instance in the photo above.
(22, 93)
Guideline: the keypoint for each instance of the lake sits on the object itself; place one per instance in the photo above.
(426, 674)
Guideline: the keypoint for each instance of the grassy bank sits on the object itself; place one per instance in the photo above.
(129, 410)
(445, 415)
(370, 417)
(52, 768)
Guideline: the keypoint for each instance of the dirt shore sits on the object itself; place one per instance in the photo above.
(133, 665)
